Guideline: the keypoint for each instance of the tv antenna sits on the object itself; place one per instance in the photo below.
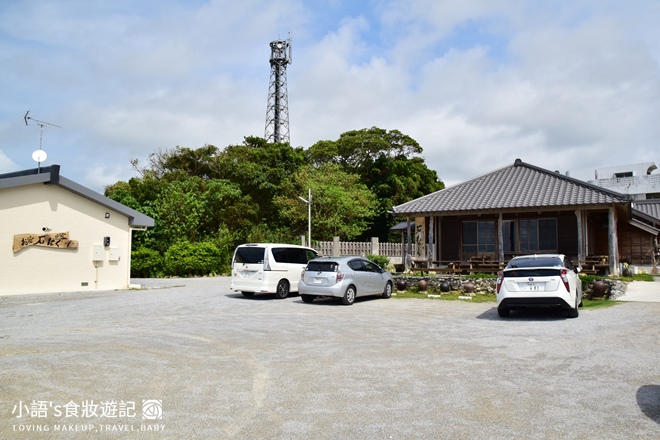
(39, 155)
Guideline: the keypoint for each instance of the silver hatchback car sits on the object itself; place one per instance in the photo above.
(343, 277)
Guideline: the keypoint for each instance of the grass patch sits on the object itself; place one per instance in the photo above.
(598, 303)
(480, 275)
(590, 304)
(638, 277)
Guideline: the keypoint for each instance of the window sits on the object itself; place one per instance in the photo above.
(509, 235)
(356, 265)
(622, 175)
(292, 255)
(250, 255)
(547, 234)
(309, 254)
(529, 239)
(478, 238)
(322, 266)
(371, 267)
(538, 235)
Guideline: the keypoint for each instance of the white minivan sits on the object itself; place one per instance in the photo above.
(268, 268)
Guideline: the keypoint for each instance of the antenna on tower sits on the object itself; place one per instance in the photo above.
(39, 155)
(277, 112)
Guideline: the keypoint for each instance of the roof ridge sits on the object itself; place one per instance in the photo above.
(574, 180)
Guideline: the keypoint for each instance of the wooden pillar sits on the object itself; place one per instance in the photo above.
(500, 239)
(613, 242)
(580, 235)
(439, 240)
(431, 241)
(408, 251)
(420, 238)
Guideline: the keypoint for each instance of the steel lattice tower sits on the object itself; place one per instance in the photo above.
(277, 113)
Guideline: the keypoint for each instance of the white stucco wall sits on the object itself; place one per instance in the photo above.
(27, 209)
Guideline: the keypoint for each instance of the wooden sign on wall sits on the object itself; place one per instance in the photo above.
(58, 240)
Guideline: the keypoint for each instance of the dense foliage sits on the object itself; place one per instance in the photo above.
(206, 201)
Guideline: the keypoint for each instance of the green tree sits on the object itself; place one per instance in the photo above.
(260, 169)
(208, 200)
(341, 205)
(181, 162)
(387, 162)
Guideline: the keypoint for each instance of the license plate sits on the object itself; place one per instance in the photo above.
(317, 281)
(533, 287)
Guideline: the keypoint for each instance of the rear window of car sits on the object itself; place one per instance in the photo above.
(250, 255)
(535, 262)
(322, 266)
(531, 272)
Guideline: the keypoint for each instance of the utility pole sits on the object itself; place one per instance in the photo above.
(309, 216)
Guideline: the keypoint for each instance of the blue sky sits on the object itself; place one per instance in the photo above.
(565, 85)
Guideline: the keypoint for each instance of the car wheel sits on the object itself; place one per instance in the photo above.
(349, 296)
(387, 293)
(574, 313)
(504, 313)
(307, 298)
(282, 290)
(247, 294)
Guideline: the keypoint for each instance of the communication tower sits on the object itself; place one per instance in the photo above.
(277, 113)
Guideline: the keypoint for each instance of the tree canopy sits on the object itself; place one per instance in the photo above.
(208, 200)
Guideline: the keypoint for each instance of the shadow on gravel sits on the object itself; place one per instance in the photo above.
(260, 296)
(648, 399)
(527, 314)
(327, 301)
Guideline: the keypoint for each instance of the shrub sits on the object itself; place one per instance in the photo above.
(188, 259)
(380, 260)
(146, 263)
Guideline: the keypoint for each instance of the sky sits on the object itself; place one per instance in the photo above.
(567, 85)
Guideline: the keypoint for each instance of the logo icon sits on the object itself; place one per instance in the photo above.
(152, 409)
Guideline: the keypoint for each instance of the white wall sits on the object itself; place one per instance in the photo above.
(27, 209)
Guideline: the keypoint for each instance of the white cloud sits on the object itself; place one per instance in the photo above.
(6, 164)
(566, 85)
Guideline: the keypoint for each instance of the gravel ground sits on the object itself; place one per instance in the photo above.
(222, 366)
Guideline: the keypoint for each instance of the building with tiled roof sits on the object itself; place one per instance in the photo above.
(524, 209)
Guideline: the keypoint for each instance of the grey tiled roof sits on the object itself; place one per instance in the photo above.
(517, 186)
(649, 207)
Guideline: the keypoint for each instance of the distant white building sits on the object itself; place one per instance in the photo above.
(635, 180)
(59, 236)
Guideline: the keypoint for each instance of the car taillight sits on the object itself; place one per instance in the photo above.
(500, 279)
(564, 278)
(340, 275)
(302, 274)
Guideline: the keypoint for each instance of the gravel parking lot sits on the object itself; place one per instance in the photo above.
(212, 364)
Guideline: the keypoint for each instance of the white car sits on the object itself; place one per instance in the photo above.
(268, 268)
(548, 280)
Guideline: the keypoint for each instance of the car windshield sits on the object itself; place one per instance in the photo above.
(518, 263)
(322, 266)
